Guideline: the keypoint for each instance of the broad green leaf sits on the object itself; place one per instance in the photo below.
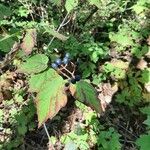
(51, 96)
(109, 140)
(7, 39)
(95, 2)
(143, 142)
(6, 43)
(70, 5)
(34, 64)
(86, 93)
(4, 11)
(37, 81)
(29, 41)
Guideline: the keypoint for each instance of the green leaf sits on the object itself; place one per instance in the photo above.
(34, 64)
(4, 11)
(109, 140)
(6, 43)
(139, 9)
(121, 38)
(143, 142)
(57, 35)
(146, 110)
(70, 5)
(86, 93)
(96, 3)
(51, 96)
(7, 39)
(22, 129)
(145, 76)
(29, 41)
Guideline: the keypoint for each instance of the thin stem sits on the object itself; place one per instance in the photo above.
(50, 142)
(71, 73)
(74, 67)
(46, 131)
(61, 25)
(66, 22)
(64, 74)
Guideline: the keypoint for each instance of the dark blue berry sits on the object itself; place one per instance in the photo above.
(77, 77)
(54, 65)
(58, 61)
(73, 81)
(67, 55)
(65, 60)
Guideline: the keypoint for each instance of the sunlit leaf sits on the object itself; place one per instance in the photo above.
(95, 2)
(34, 64)
(121, 38)
(51, 96)
(143, 142)
(70, 5)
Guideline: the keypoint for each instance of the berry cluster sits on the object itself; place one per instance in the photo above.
(58, 62)
(61, 66)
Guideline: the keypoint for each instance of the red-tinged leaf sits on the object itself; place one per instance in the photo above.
(86, 94)
(29, 41)
(51, 96)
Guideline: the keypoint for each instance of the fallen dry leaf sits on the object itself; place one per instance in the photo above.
(106, 93)
(142, 64)
(120, 64)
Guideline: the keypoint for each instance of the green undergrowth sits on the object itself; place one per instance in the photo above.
(93, 52)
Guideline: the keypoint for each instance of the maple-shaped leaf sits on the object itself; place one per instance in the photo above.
(34, 64)
(29, 41)
(86, 93)
(51, 96)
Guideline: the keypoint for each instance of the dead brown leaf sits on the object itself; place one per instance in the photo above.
(106, 93)
(142, 64)
(29, 41)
